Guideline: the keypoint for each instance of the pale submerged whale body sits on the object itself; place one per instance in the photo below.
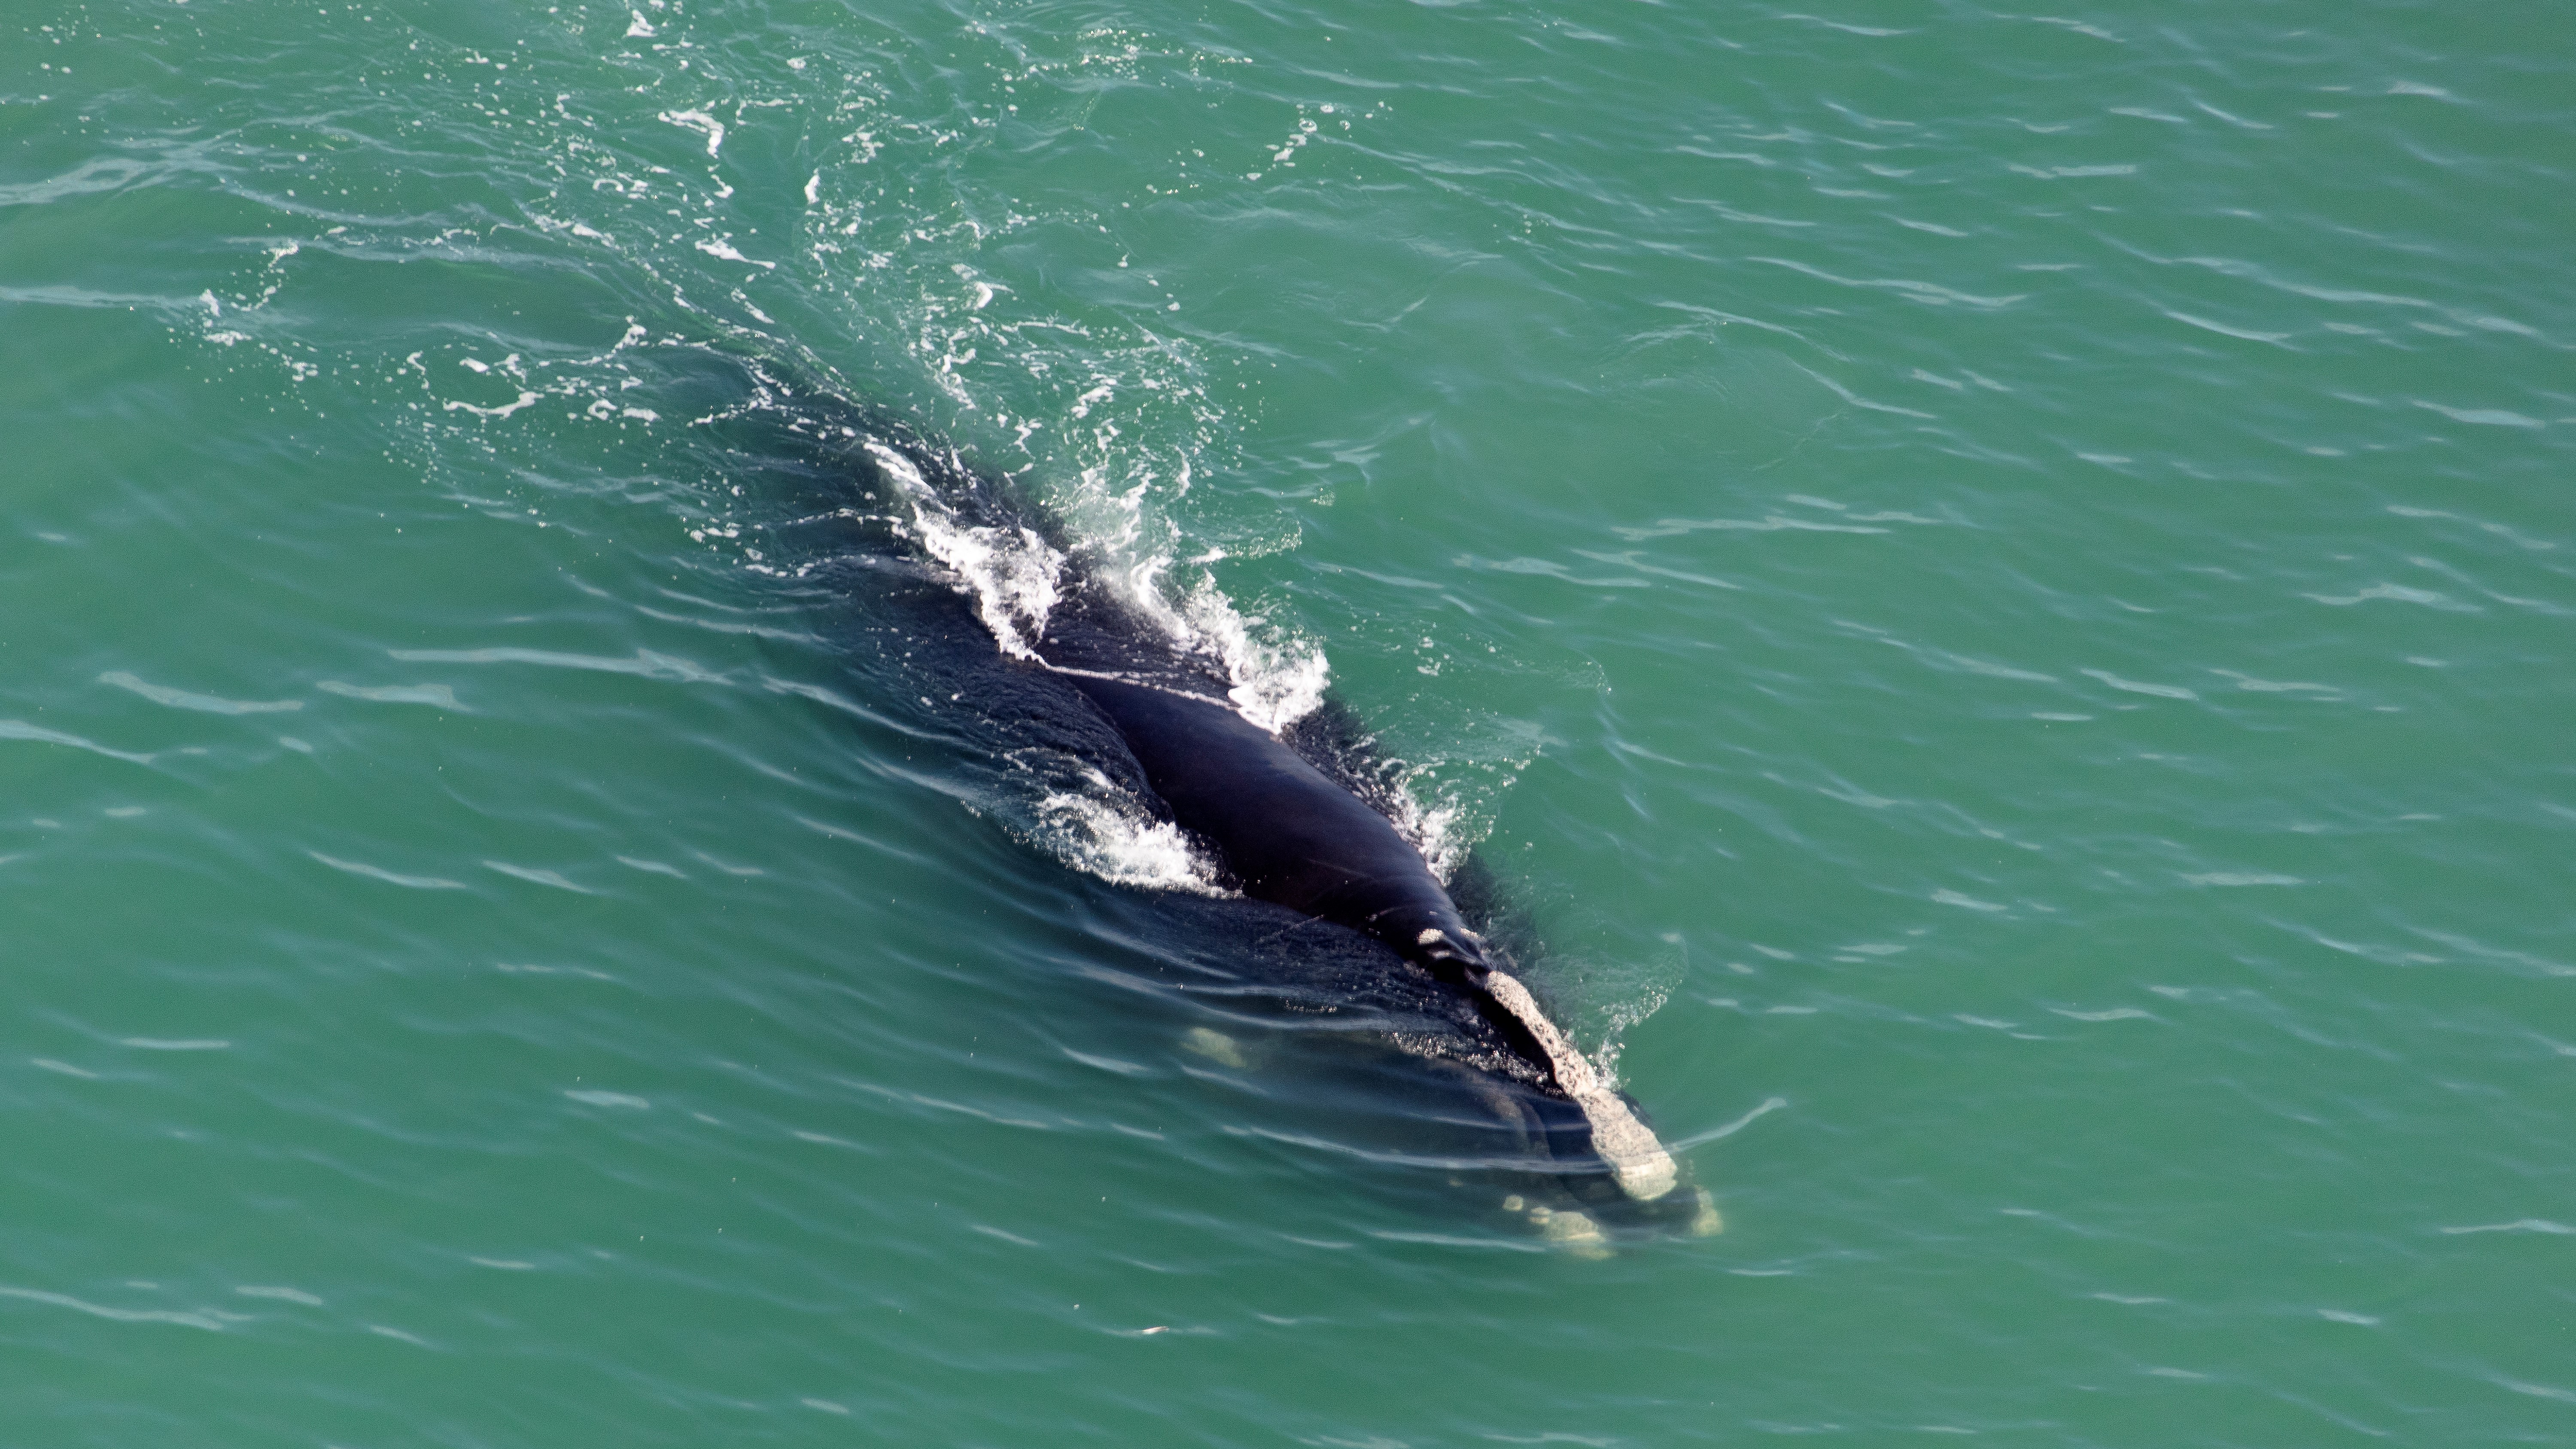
(1103, 676)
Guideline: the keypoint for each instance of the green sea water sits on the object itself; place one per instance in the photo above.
(1997, 586)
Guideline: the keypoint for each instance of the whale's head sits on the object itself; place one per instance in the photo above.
(1617, 1138)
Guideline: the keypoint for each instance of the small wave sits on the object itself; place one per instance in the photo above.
(15, 729)
(119, 1315)
(189, 699)
(376, 872)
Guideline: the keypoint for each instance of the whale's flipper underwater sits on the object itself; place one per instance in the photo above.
(1089, 666)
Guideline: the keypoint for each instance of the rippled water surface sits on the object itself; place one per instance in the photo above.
(1994, 589)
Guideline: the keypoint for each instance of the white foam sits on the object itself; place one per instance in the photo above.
(1012, 576)
(1639, 1163)
(525, 399)
(723, 250)
(1274, 678)
(1277, 679)
(1430, 830)
(698, 121)
(1103, 833)
(1117, 480)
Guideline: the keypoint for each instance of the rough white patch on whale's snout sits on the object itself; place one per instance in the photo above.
(1638, 1162)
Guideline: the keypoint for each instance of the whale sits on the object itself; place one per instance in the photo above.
(1293, 836)
(1076, 655)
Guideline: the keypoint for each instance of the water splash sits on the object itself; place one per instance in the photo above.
(1102, 831)
(1011, 573)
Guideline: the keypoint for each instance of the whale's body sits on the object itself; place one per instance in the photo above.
(1073, 640)
(1289, 833)
(1293, 836)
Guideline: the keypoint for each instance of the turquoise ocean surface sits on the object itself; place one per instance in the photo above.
(1997, 589)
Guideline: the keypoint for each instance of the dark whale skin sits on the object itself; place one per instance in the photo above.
(1149, 711)
(1293, 836)
(1296, 837)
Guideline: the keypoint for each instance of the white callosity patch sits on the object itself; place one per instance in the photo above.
(1643, 1169)
(1707, 1223)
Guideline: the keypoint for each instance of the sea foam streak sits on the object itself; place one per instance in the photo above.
(1011, 574)
(1103, 832)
